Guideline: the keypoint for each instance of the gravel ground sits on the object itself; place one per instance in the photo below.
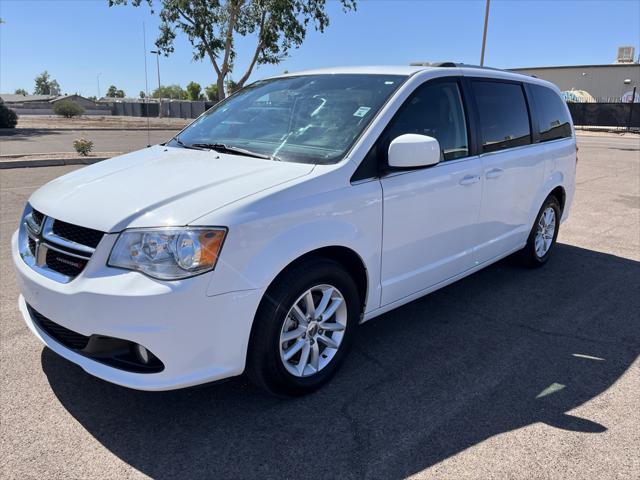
(510, 373)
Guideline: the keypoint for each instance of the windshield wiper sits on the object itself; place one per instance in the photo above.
(223, 148)
(184, 145)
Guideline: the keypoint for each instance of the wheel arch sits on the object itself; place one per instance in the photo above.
(345, 256)
(561, 195)
(553, 186)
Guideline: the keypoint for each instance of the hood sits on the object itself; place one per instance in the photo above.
(158, 186)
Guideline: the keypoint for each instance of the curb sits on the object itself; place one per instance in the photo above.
(52, 162)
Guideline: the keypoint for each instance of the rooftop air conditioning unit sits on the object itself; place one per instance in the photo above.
(625, 54)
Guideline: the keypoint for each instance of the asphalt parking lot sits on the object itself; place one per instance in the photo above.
(509, 373)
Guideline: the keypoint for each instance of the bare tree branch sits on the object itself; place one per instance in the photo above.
(256, 53)
(212, 25)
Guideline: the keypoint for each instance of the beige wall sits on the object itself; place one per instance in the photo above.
(601, 81)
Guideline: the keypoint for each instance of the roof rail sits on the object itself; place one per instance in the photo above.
(449, 65)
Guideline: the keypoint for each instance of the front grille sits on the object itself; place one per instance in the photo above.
(37, 216)
(65, 264)
(32, 246)
(74, 233)
(57, 249)
(66, 337)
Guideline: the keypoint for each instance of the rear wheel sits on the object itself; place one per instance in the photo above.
(543, 235)
(303, 328)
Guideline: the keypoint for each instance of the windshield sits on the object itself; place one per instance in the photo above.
(306, 119)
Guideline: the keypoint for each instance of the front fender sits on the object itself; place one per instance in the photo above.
(297, 241)
(262, 245)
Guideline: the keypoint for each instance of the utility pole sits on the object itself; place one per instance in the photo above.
(157, 54)
(146, 84)
(484, 34)
(98, 78)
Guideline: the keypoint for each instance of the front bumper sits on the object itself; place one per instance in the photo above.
(199, 339)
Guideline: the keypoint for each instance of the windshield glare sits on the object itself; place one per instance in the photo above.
(306, 119)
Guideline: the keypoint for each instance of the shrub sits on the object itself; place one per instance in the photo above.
(68, 109)
(8, 118)
(83, 146)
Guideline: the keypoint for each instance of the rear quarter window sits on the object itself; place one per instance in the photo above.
(504, 116)
(553, 118)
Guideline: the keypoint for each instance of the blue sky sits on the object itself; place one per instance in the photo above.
(77, 40)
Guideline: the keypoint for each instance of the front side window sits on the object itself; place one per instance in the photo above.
(553, 118)
(306, 119)
(434, 109)
(504, 117)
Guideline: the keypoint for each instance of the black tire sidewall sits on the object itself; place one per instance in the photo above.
(271, 316)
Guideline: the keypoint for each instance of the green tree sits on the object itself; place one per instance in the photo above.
(194, 91)
(67, 108)
(213, 26)
(141, 94)
(21, 91)
(231, 86)
(8, 118)
(174, 92)
(212, 92)
(45, 85)
(114, 92)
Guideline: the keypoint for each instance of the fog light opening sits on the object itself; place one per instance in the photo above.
(142, 353)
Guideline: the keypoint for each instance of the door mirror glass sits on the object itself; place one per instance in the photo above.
(413, 150)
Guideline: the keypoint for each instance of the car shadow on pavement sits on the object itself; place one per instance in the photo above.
(505, 348)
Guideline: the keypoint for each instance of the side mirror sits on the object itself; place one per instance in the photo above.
(412, 150)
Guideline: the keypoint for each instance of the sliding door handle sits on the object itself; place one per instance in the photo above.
(494, 173)
(470, 179)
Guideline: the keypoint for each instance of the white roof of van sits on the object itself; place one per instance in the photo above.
(371, 69)
(407, 70)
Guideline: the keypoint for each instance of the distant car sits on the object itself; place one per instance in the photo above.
(261, 235)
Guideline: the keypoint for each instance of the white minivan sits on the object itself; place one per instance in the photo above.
(260, 236)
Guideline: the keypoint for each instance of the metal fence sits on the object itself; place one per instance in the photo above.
(614, 115)
(167, 109)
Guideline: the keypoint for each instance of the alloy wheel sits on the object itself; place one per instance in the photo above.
(545, 231)
(313, 330)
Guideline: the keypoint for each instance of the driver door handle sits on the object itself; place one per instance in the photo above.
(494, 173)
(470, 179)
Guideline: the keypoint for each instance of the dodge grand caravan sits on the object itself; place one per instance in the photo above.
(260, 236)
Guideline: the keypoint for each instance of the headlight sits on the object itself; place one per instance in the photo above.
(168, 253)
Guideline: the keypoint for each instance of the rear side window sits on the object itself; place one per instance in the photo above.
(553, 118)
(434, 109)
(504, 117)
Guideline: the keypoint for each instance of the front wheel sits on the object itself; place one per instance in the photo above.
(303, 328)
(543, 235)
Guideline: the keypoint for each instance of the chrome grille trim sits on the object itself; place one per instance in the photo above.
(45, 240)
(50, 237)
(32, 224)
(71, 254)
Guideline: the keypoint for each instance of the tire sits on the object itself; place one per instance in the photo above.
(535, 254)
(277, 320)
